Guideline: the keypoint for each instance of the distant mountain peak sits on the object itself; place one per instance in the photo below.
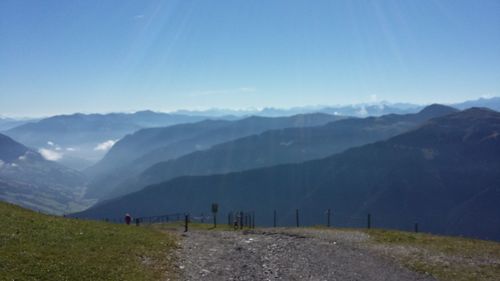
(148, 112)
(437, 109)
(479, 110)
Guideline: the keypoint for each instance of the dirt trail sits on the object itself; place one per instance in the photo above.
(282, 254)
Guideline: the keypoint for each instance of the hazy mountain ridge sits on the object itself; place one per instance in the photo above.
(355, 110)
(491, 103)
(144, 148)
(27, 179)
(7, 123)
(202, 161)
(438, 175)
(79, 136)
(79, 140)
(289, 145)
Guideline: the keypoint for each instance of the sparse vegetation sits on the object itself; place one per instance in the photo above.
(446, 258)
(39, 247)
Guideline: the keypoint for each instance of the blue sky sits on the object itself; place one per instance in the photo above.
(102, 56)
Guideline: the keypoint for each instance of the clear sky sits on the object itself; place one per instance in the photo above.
(99, 56)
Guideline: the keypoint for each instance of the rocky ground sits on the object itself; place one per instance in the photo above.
(284, 254)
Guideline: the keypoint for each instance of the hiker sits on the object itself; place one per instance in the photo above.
(236, 221)
(128, 218)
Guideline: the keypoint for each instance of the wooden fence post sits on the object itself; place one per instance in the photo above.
(241, 220)
(328, 218)
(186, 221)
(253, 220)
(215, 209)
(416, 227)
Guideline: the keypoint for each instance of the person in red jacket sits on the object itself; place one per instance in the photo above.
(128, 218)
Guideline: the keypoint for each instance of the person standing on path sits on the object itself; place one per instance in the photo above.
(128, 218)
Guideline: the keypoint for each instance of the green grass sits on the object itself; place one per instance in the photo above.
(40, 247)
(446, 258)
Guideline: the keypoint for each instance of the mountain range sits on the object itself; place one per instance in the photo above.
(432, 165)
(443, 174)
(375, 108)
(9, 123)
(79, 140)
(354, 110)
(288, 145)
(138, 151)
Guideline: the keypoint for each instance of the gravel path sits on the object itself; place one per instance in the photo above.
(282, 254)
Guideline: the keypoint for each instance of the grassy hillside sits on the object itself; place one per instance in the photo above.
(445, 258)
(40, 247)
